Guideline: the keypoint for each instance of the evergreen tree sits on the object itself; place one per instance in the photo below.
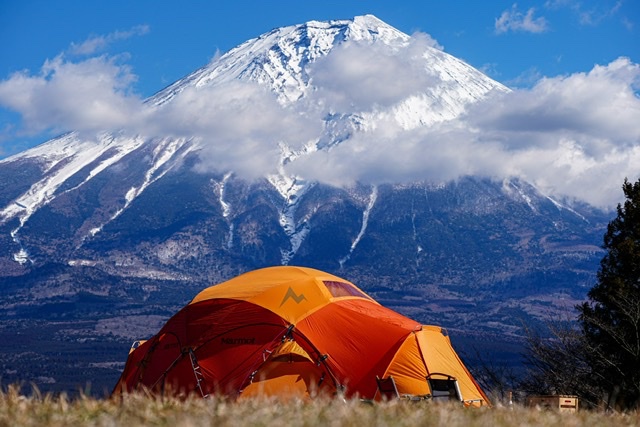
(610, 319)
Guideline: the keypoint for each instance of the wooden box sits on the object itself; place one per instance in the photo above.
(560, 403)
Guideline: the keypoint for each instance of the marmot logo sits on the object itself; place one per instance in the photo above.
(291, 294)
(237, 341)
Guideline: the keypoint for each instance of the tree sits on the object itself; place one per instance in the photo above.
(558, 363)
(610, 319)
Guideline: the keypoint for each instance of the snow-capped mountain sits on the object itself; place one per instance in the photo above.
(126, 218)
(277, 60)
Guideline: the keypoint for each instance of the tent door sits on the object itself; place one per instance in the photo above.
(444, 387)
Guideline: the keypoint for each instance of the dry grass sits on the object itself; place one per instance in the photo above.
(138, 410)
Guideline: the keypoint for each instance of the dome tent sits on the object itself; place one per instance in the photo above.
(293, 331)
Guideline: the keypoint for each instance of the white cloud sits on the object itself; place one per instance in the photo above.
(601, 104)
(514, 20)
(591, 13)
(527, 78)
(88, 96)
(240, 126)
(99, 43)
(420, 40)
(359, 76)
(574, 136)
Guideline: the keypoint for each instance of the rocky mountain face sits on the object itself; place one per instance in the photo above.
(102, 240)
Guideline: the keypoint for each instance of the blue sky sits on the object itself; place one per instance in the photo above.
(168, 39)
(535, 47)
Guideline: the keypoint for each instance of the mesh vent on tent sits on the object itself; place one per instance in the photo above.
(341, 289)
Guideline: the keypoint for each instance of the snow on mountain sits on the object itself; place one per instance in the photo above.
(365, 221)
(163, 153)
(279, 58)
(282, 61)
(61, 159)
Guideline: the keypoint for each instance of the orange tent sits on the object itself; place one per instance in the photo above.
(294, 331)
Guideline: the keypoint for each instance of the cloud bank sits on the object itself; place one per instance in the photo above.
(387, 77)
(575, 136)
(88, 95)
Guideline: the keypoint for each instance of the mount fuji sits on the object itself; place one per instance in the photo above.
(104, 235)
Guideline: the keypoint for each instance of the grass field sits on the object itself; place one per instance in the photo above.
(137, 410)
